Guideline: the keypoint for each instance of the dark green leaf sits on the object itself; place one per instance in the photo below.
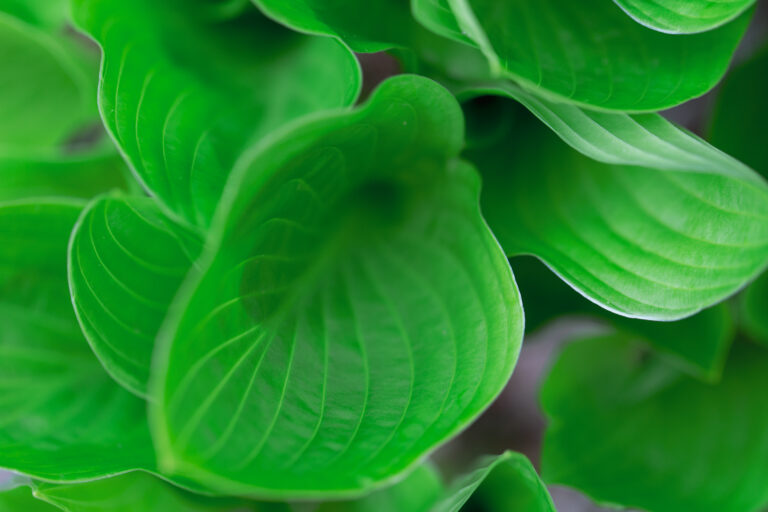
(61, 416)
(353, 310)
(753, 308)
(625, 428)
(589, 52)
(507, 482)
(683, 16)
(184, 90)
(126, 262)
(639, 216)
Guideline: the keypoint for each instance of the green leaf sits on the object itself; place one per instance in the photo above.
(78, 176)
(20, 499)
(126, 263)
(639, 216)
(137, 491)
(626, 428)
(46, 93)
(185, 89)
(683, 16)
(753, 309)
(697, 345)
(588, 53)
(370, 26)
(49, 14)
(352, 313)
(738, 124)
(61, 416)
(504, 482)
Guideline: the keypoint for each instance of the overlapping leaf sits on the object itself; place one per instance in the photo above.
(126, 262)
(61, 417)
(638, 215)
(353, 312)
(627, 429)
(21, 499)
(186, 87)
(683, 16)
(588, 53)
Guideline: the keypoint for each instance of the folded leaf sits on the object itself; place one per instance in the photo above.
(370, 26)
(353, 310)
(589, 52)
(185, 89)
(697, 345)
(639, 216)
(61, 417)
(126, 263)
(504, 482)
(683, 16)
(627, 429)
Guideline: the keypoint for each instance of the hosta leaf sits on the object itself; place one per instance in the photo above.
(625, 428)
(683, 16)
(370, 26)
(504, 482)
(61, 416)
(184, 89)
(353, 311)
(639, 216)
(126, 262)
(80, 176)
(45, 91)
(20, 499)
(698, 345)
(588, 53)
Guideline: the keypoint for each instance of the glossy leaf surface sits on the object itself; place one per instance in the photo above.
(126, 263)
(62, 417)
(683, 16)
(353, 313)
(589, 53)
(627, 429)
(504, 482)
(370, 26)
(185, 90)
(639, 216)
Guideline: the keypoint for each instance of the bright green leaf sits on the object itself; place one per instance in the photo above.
(507, 482)
(49, 14)
(639, 216)
(185, 90)
(20, 499)
(353, 311)
(61, 416)
(683, 16)
(589, 52)
(625, 428)
(370, 26)
(126, 263)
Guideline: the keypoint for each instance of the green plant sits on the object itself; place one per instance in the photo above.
(227, 282)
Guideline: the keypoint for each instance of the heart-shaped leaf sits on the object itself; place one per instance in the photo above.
(639, 216)
(683, 16)
(61, 417)
(504, 482)
(184, 90)
(126, 262)
(370, 26)
(589, 52)
(353, 310)
(627, 429)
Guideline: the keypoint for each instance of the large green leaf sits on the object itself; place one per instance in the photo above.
(20, 499)
(352, 313)
(185, 89)
(61, 416)
(507, 482)
(589, 52)
(639, 216)
(49, 14)
(699, 344)
(46, 93)
(625, 428)
(683, 16)
(370, 26)
(126, 262)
